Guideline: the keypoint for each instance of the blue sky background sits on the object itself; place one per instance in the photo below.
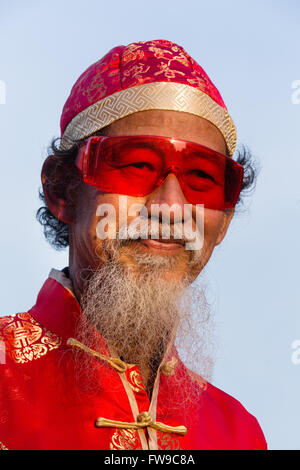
(251, 51)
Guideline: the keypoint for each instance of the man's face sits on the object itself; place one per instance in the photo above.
(138, 292)
(87, 250)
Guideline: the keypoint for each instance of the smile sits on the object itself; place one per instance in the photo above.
(163, 244)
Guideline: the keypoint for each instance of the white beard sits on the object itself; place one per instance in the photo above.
(138, 315)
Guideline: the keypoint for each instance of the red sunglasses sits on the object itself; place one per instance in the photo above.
(136, 165)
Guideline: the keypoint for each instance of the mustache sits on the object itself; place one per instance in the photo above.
(141, 228)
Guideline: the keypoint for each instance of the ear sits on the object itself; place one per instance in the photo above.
(54, 186)
(227, 216)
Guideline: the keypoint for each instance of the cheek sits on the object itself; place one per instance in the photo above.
(114, 211)
(213, 221)
(84, 230)
(85, 242)
(98, 218)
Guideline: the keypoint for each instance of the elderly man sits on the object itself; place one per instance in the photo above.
(142, 188)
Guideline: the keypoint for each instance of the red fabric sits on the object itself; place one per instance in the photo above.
(43, 406)
(113, 165)
(136, 64)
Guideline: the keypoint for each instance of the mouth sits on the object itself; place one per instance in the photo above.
(163, 244)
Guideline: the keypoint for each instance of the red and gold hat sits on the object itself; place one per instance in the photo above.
(144, 75)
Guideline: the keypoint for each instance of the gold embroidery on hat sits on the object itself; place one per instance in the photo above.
(158, 95)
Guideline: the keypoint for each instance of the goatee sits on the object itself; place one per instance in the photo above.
(140, 311)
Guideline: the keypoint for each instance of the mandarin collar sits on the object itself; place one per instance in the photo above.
(56, 306)
(58, 310)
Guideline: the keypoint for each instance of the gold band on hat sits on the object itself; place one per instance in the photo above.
(158, 95)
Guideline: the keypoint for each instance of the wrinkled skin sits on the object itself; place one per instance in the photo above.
(85, 246)
(88, 252)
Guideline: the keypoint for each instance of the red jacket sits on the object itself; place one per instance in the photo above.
(43, 406)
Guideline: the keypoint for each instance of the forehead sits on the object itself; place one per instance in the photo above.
(178, 125)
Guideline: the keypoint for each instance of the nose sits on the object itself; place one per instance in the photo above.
(168, 194)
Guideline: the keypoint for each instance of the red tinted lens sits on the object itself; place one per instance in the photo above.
(133, 166)
(211, 178)
(234, 174)
(136, 165)
(203, 175)
(121, 165)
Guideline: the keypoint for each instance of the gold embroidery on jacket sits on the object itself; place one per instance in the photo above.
(25, 339)
(2, 446)
(201, 381)
(135, 381)
(125, 439)
(167, 441)
(169, 367)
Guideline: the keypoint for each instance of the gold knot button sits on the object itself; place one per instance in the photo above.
(144, 419)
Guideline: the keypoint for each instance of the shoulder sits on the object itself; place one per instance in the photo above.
(232, 414)
(23, 339)
(230, 421)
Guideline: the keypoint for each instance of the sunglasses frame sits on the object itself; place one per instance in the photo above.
(93, 144)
